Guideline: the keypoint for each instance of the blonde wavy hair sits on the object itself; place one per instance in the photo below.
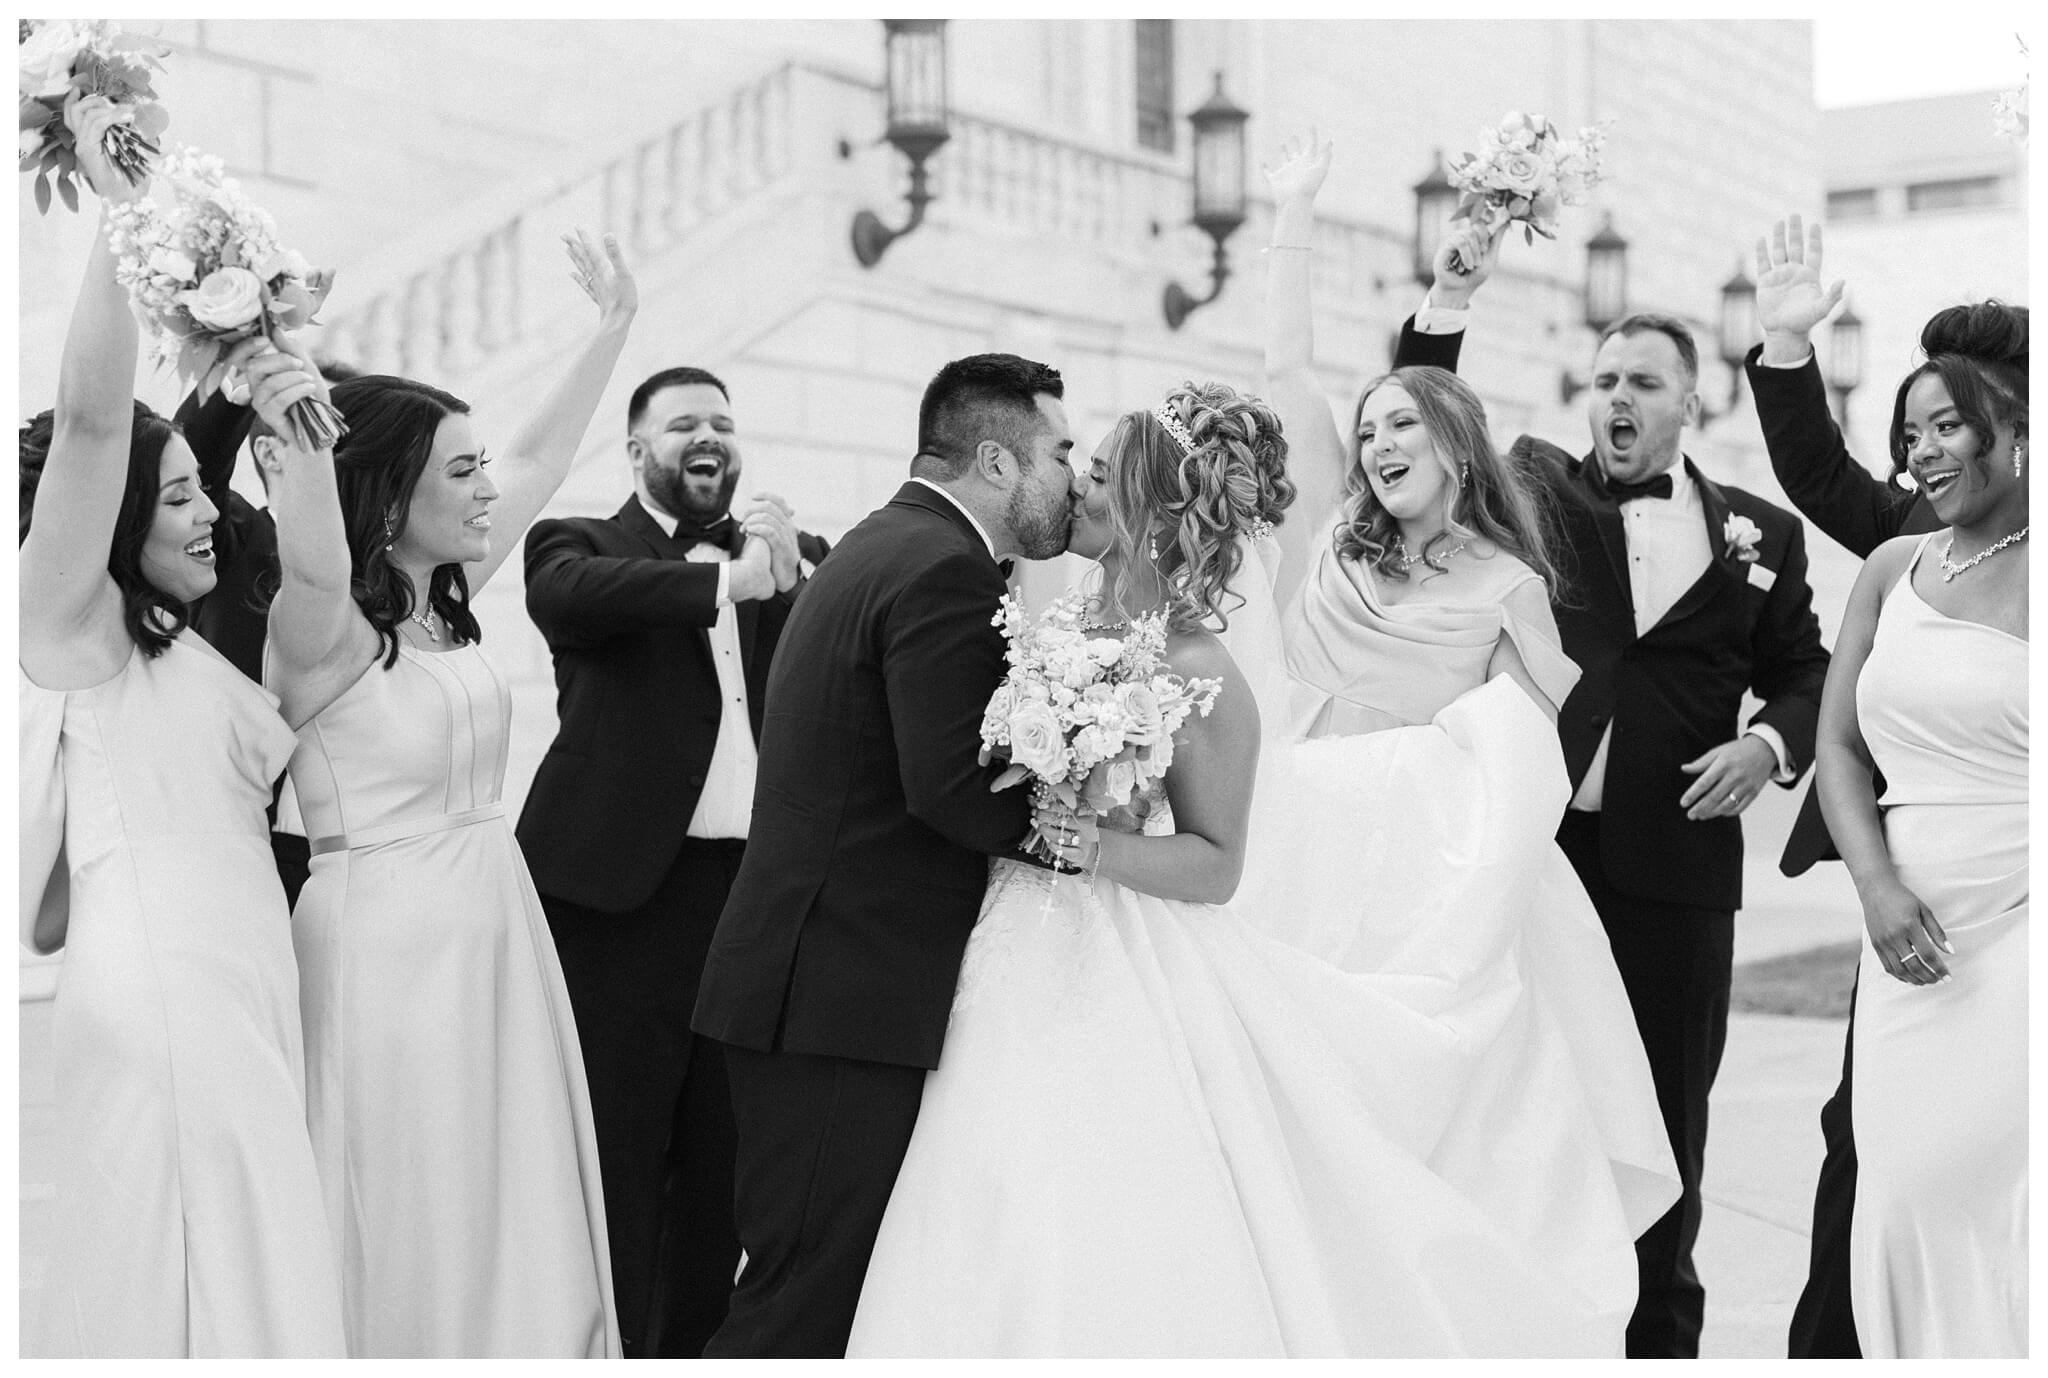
(1192, 507)
(1490, 497)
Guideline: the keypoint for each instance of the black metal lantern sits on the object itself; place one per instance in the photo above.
(1435, 199)
(1218, 193)
(1737, 326)
(915, 57)
(1845, 359)
(1606, 276)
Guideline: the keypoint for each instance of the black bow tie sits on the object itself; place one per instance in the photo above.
(1622, 491)
(725, 533)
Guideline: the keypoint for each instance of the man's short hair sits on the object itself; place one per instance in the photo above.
(681, 377)
(981, 397)
(1671, 328)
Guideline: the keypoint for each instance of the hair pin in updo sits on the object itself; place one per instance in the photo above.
(1165, 417)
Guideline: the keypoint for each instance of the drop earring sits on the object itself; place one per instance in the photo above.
(2019, 458)
(1152, 549)
(390, 531)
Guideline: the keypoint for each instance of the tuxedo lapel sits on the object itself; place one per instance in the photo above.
(1607, 520)
(915, 494)
(637, 522)
(1722, 568)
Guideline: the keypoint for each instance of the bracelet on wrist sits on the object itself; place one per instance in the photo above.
(1305, 248)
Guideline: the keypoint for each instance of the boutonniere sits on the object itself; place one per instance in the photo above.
(1741, 535)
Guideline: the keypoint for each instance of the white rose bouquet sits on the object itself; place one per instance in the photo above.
(207, 272)
(1089, 720)
(1525, 171)
(92, 57)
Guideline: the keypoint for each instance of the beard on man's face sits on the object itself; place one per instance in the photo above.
(1042, 522)
(703, 497)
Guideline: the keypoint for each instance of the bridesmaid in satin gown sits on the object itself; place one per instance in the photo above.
(449, 1112)
(1929, 685)
(187, 1214)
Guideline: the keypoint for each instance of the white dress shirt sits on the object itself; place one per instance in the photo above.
(1668, 550)
(979, 529)
(727, 804)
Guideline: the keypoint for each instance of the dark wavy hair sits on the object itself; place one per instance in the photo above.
(981, 397)
(153, 618)
(1193, 506)
(1490, 497)
(1980, 353)
(377, 464)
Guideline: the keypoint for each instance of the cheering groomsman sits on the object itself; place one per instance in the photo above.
(1860, 512)
(1681, 595)
(663, 619)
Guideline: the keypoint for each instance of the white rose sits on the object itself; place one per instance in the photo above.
(47, 59)
(1093, 745)
(228, 299)
(1036, 743)
(1120, 780)
(1142, 720)
(287, 262)
(1105, 650)
(1521, 172)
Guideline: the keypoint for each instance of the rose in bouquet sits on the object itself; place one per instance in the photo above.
(92, 57)
(206, 272)
(1525, 171)
(1088, 720)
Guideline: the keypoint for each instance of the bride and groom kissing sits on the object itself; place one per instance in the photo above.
(1388, 1102)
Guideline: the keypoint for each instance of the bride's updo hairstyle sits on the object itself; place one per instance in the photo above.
(1980, 353)
(1193, 506)
(377, 464)
(153, 618)
(1489, 497)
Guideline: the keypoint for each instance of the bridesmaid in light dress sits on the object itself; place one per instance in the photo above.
(187, 1219)
(1929, 685)
(449, 1111)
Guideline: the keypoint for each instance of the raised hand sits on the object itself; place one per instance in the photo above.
(1790, 300)
(280, 376)
(1297, 175)
(1465, 257)
(89, 118)
(604, 278)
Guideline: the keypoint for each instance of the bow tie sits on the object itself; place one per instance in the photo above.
(1622, 491)
(725, 533)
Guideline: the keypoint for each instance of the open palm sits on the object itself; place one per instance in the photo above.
(1789, 296)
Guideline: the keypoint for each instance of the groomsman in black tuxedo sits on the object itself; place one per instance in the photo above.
(831, 976)
(1860, 512)
(663, 620)
(1681, 594)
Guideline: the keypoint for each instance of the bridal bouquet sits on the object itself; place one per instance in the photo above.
(207, 272)
(94, 57)
(1525, 171)
(1089, 720)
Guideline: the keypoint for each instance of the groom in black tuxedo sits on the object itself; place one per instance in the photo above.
(663, 620)
(831, 975)
(1681, 595)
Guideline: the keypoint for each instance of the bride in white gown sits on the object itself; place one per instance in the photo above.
(1390, 1103)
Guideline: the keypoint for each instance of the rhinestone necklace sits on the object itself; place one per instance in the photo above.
(426, 621)
(1408, 562)
(1949, 569)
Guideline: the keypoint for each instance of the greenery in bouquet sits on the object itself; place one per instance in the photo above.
(1089, 720)
(207, 271)
(1525, 172)
(91, 57)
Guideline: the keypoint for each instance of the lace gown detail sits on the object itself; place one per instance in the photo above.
(1938, 1243)
(449, 1110)
(1415, 1122)
(187, 1219)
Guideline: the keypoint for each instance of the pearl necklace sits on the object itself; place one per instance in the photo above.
(1949, 569)
(1408, 562)
(426, 622)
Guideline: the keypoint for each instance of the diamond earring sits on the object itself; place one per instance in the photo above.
(2019, 458)
(1152, 549)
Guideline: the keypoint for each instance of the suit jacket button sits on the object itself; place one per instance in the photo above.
(695, 779)
(1598, 719)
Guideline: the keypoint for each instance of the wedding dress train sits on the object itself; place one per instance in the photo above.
(1389, 1102)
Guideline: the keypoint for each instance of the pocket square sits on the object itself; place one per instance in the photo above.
(1761, 577)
